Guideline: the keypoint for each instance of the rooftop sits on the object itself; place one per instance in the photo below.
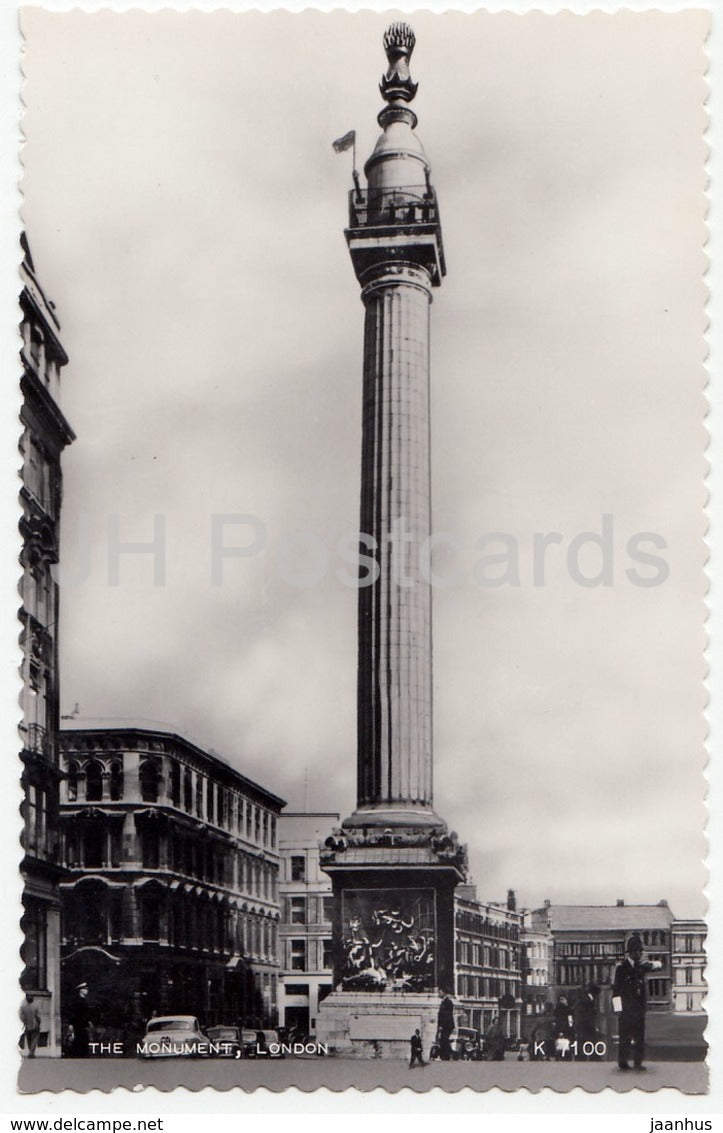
(569, 918)
(121, 733)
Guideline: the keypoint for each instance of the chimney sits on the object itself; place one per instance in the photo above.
(620, 902)
(548, 902)
(511, 900)
(663, 904)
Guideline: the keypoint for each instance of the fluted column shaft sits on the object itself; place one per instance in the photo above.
(395, 617)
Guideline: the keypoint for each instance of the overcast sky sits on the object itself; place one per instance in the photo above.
(185, 210)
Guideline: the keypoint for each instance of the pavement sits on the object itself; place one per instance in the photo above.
(335, 1073)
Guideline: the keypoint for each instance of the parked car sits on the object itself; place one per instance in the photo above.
(248, 1042)
(173, 1036)
(466, 1044)
(227, 1038)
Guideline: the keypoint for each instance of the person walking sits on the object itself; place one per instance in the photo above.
(416, 1049)
(31, 1018)
(629, 1000)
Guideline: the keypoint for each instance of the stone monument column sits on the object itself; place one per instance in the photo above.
(393, 864)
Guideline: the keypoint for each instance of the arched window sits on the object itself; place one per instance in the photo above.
(149, 777)
(150, 843)
(94, 781)
(151, 913)
(72, 781)
(92, 905)
(175, 778)
(116, 780)
(94, 842)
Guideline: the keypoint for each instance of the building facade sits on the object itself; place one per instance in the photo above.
(488, 975)
(536, 951)
(45, 434)
(589, 942)
(171, 899)
(306, 905)
(688, 966)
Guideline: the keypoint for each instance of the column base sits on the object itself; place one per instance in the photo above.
(360, 1024)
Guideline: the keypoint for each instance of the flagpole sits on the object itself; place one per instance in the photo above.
(354, 172)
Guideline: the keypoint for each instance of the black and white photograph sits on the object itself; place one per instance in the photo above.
(363, 569)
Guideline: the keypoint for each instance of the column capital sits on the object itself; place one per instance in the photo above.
(392, 274)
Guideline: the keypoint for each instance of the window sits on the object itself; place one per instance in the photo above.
(324, 990)
(298, 868)
(175, 776)
(150, 915)
(297, 989)
(272, 825)
(297, 910)
(188, 790)
(220, 806)
(149, 845)
(72, 782)
(94, 845)
(689, 975)
(209, 803)
(298, 955)
(327, 909)
(116, 780)
(689, 1003)
(35, 947)
(94, 782)
(326, 960)
(199, 796)
(149, 777)
(257, 825)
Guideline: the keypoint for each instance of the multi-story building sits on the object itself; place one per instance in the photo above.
(171, 902)
(45, 434)
(589, 942)
(536, 949)
(488, 978)
(305, 898)
(688, 966)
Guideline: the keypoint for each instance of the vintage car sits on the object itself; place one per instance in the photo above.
(173, 1036)
(261, 1043)
(466, 1044)
(225, 1042)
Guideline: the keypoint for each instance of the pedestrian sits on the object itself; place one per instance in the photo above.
(586, 1020)
(563, 1018)
(495, 1041)
(629, 999)
(546, 1029)
(31, 1018)
(445, 1026)
(79, 1018)
(416, 1049)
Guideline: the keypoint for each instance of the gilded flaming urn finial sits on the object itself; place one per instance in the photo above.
(397, 84)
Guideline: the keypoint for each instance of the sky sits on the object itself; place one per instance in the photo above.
(185, 211)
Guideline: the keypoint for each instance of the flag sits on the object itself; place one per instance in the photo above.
(345, 143)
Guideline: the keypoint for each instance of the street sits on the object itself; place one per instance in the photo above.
(341, 1073)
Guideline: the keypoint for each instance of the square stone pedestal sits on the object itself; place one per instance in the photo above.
(364, 1024)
